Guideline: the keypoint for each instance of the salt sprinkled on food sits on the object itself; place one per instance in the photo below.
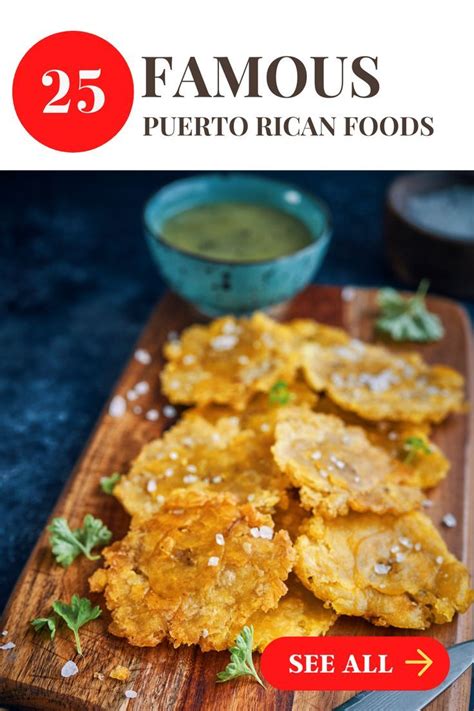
(450, 520)
(190, 479)
(117, 406)
(132, 395)
(439, 559)
(348, 293)
(169, 411)
(142, 356)
(189, 359)
(220, 539)
(152, 415)
(69, 669)
(151, 486)
(382, 569)
(205, 633)
(131, 694)
(255, 532)
(427, 503)
(316, 456)
(213, 561)
(7, 646)
(4, 633)
(266, 532)
(224, 343)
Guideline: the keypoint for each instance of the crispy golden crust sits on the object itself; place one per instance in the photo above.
(290, 515)
(195, 572)
(228, 361)
(336, 468)
(425, 468)
(196, 455)
(391, 570)
(298, 614)
(379, 385)
(308, 331)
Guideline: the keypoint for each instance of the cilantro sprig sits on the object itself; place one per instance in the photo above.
(67, 544)
(76, 614)
(414, 446)
(241, 662)
(48, 623)
(279, 393)
(107, 483)
(408, 319)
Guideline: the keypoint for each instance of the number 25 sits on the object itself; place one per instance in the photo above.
(54, 107)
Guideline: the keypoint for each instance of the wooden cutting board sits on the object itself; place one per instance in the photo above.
(170, 679)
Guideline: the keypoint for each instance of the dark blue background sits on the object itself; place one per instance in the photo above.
(77, 285)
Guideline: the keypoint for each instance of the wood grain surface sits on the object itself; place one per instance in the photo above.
(163, 677)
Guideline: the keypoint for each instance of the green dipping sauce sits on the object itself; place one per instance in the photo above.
(236, 232)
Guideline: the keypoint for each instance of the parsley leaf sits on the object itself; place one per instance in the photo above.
(241, 662)
(45, 622)
(67, 545)
(414, 446)
(77, 614)
(407, 319)
(279, 393)
(107, 483)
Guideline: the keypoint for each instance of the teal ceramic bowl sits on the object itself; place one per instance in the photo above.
(218, 287)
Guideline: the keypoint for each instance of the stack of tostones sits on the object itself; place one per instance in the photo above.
(301, 450)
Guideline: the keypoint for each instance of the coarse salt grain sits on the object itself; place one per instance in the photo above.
(255, 532)
(394, 549)
(393, 436)
(151, 486)
(213, 561)
(7, 646)
(131, 694)
(132, 395)
(382, 569)
(243, 360)
(142, 387)
(323, 473)
(69, 669)
(220, 539)
(216, 479)
(427, 503)
(191, 468)
(190, 479)
(117, 406)
(266, 532)
(99, 676)
(265, 427)
(160, 500)
(348, 293)
(406, 542)
(169, 411)
(400, 557)
(449, 520)
(224, 343)
(205, 633)
(142, 356)
(174, 456)
(169, 472)
(439, 559)
(152, 415)
(417, 546)
(250, 497)
(316, 456)
(4, 633)
(189, 359)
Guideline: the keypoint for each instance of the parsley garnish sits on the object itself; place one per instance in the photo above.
(241, 662)
(45, 622)
(414, 446)
(279, 393)
(407, 319)
(107, 483)
(77, 614)
(67, 545)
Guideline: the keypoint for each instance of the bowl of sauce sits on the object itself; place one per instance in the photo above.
(235, 243)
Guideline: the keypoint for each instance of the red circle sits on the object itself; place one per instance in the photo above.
(54, 94)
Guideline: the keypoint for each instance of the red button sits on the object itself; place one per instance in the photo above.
(354, 663)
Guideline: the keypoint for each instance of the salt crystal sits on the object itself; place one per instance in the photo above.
(190, 479)
(439, 559)
(382, 569)
(205, 633)
(174, 455)
(400, 557)
(213, 561)
(255, 532)
(152, 415)
(323, 473)
(142, 356)
(394, 549)
(99, 676)
(427, 503)
(7, 646)
(151, 486)
(356, 478)
(348, 293)
(265, 427)
(392, 436)
(169, 411)
(131, 694)
(132, 395)
(243, 360)
(405, 542)
(5, 633)
(449, 520)
(69, 669)
(316, 456)
(418, 546)
(224, 343)
(229, 327)
(266, 532)
(250, 497)
(160, 500)
(187, 441)
(220, 539)
(117, 406)
(169, 472)
(216, 479)
(142, 387)
(189, 359)
(191, 468)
